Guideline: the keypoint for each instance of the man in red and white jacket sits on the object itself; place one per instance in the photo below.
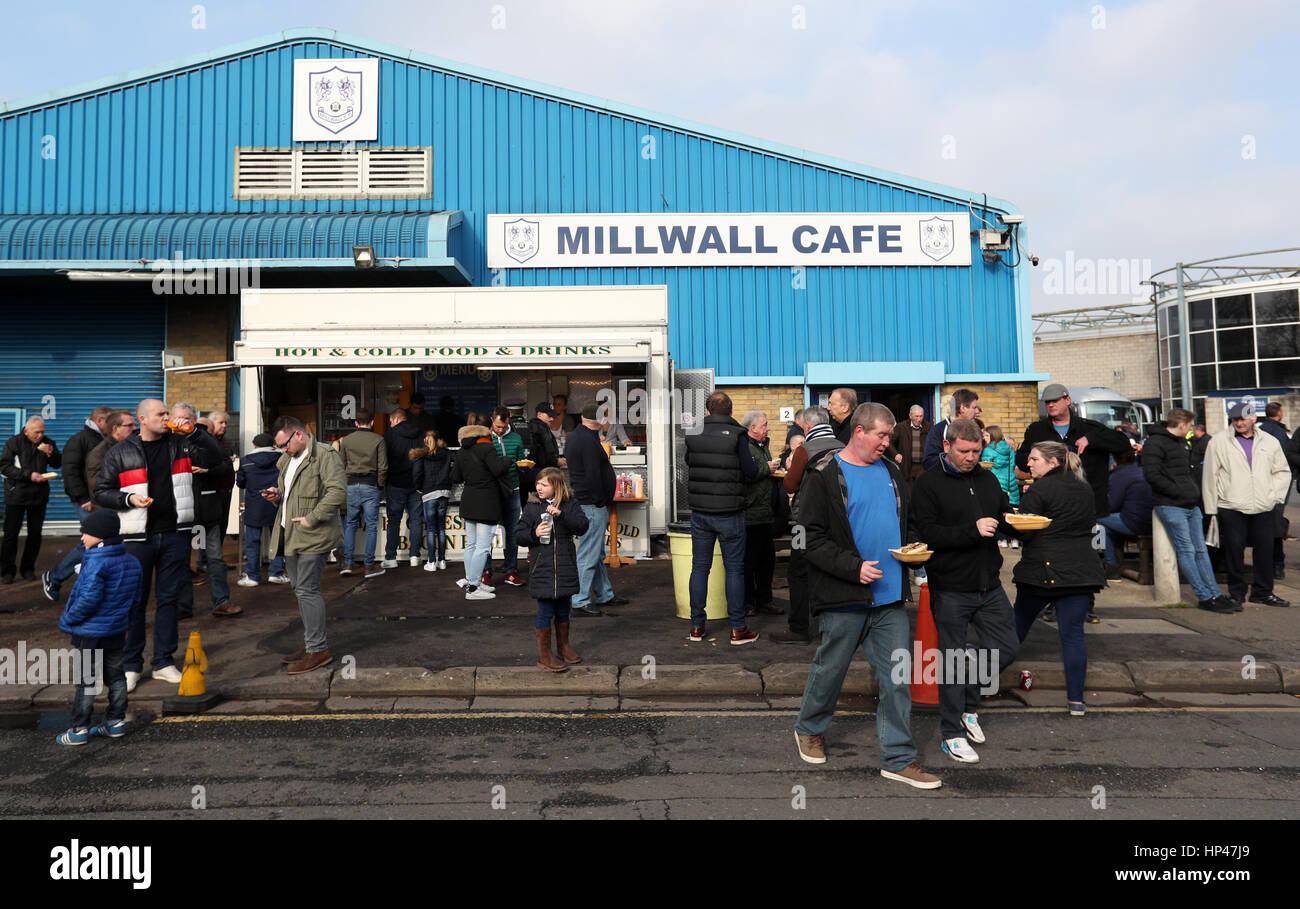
(148, 477)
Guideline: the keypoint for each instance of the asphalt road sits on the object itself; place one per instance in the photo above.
(1152, 764)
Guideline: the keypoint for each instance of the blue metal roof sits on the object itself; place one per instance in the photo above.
(41, 242)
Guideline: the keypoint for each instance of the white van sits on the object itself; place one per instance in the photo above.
(1105, 405)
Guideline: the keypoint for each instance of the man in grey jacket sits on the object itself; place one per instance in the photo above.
(365, 466)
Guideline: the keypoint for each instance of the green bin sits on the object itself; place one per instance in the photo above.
(679, 545)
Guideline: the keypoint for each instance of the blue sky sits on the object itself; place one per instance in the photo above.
(1156, 131)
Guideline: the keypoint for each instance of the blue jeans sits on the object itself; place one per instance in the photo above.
(1070, 613)
(729, 531)
(552, 609)
(1188, 538)
(83, 698)
(168, 555)
(478, 549)
(253, 555)
(513, 512)
(363, 500)
(593, 581)
(214, 536)
(1114, 522)
(401, 499)
(435, 529)
(879, 631)
(67, 565)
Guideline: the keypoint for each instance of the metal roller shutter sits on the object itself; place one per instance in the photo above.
(69, 359)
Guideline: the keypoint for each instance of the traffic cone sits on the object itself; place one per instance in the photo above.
(193, 695)
(927, 642)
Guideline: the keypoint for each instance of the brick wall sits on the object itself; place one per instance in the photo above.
(198, 326)
(1124, 362)
(1011, 405)
(769, 399)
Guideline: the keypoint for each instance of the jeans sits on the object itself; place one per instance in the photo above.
(511, 521)
(478, 548)
(83, 698)
(67, 565)
(1188, 538)
(1070, 613)
(552, 609)
(253, 555)
(435, 529)
(1236, 531)
(363, 501)
(1115, 523)
(880, 631)
(13, 525)
(402, 499)
(729, 532)
(989, 613)
(214, 537)
(167, 555)
(760, 562)
(304, 572)
(593, 580)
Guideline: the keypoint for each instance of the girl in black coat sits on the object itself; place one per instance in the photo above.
(1058, 564)
(551, 519)
(431, 473)
(481, 469)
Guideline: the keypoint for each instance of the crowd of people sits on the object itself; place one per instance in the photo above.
(849, 486)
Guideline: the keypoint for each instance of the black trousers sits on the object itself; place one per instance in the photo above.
(1283, 526)
(1236, 532)
(955, 614)
(798, 592)
(14, 515)
(760, 563)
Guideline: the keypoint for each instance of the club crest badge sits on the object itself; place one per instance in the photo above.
(335, 98)
(521, 239)
(937, 237)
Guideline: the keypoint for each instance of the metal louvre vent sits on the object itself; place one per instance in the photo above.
(337, 173)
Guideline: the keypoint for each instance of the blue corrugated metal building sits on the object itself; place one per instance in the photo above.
(207, 160)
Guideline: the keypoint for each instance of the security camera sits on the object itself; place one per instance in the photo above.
(1033, 260)
(1011, 219)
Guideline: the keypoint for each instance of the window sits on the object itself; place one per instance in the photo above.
(1236, 375)
(1229, 311)
(1175, 353)
(1276, 306)
(1203, 347)
(1277, 373)
(337, 173)
(1201, 314)
(1203, 380)
(1278, 341)
(1237, 345)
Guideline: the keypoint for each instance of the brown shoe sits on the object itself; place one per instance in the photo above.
(562, 648)
(225, 610)
(913, 775)
(311, 662)
(770, 609)
(812, 748)
(545, 659)
(743, 636)
(294, 657)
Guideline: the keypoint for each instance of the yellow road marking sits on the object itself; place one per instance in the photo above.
(518, 715)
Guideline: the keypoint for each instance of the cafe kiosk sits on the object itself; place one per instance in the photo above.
(318, 354)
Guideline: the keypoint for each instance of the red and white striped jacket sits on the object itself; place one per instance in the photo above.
(125, 473)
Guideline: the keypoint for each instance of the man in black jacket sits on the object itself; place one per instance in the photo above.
(24, 462)
(404, 433)
(1273, 425)
(212, 469)
(854, 505)
(1093, 442)
(717, 464)
(74, 456)
(592, 478)
(1166, 464)
(957, 508)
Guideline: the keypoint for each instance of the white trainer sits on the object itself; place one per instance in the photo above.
(415, 561)
(973, 731)
(461, 582)
(132, 679)
(168, 674)
(442, 564)
(430, 566)
(959, 750)
(331, 559)
(388, 563)
(480, 594)
(373, 572)
(278, 579)
(246, 581)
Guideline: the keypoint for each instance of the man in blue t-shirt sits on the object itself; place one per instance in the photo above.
(854, 509)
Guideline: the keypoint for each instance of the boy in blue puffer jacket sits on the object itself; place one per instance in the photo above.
(97, 616)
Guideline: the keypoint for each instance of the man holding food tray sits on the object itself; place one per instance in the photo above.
(854, 506)
(957, 507)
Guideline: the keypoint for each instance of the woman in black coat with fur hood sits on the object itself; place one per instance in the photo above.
(551, 519)
(481, 469)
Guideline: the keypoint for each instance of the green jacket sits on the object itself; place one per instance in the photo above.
(512, 448)
(317, 494)
(758, 491)
(364, 454)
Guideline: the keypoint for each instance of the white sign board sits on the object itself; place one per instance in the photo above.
(335, 100)
(761, 238)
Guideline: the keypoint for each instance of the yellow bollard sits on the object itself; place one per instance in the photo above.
(196, 663)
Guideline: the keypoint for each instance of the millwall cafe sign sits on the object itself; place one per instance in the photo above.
(760, 238)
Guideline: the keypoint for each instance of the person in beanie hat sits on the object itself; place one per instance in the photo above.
(591, 478)
(257, 471)
(97, 617)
